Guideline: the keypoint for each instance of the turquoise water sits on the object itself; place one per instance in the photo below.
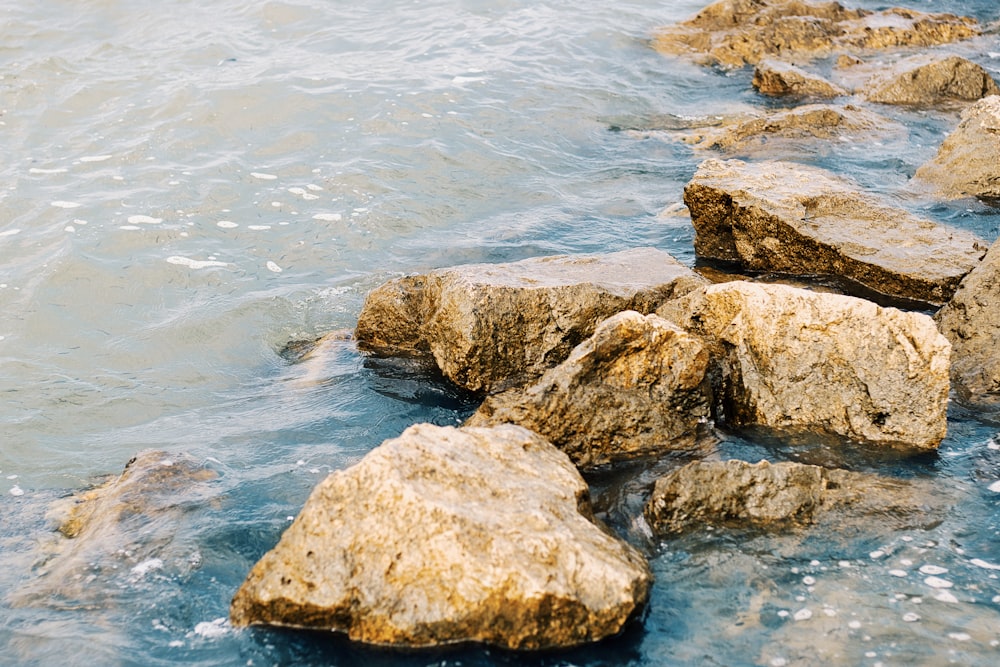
(187, 187)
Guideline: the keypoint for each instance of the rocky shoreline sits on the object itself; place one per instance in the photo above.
(485, 533)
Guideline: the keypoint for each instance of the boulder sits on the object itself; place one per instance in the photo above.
(971, 321)
(791, 218)
(784, 495)
(447, 535)
(925, 80)
(777, 79)
(966, 164)
(490, 326)
(734, 33)
(802, 361)
(637, 387)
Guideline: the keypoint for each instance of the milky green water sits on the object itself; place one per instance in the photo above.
(186, 187)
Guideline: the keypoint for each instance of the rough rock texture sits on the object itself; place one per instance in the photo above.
(785, 217)
(733, 33)
(927, 80)
(489, 326)
(637, 387)
(782, 495)
(447, 535)
(777, 78)
(971, 321)
(824, 363)
(966, 165)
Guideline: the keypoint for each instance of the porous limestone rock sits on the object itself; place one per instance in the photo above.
(489, 326)
(792, 218)
(733, 33)
(447, 535)
(778, 78)
(926, 80)
(966, 164)
(784, 495)
(802, 361)
(971, 321)
(637, 387)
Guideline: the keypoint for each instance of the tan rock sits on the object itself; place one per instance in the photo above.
(784, 495)
(777, 79)
(489, 326)
(926, 80)
(637, 387)
(733, 33)
(791, 218)
(448, 535)
(801, 361)
(966, 165)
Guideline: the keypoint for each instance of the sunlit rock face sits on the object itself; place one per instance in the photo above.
(928, 80)
(966, 164)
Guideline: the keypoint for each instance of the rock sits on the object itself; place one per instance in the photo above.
(777, 79)
(791, 218)
(928, 80)
(803, 361)
(637, 387)
(447, 535)
(734, 33)
(971, 321)
(490, 326)
(966, 164)
(784, 495)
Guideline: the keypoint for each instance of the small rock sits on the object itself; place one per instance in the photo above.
(777, 79)
(928, 80)
(966, 164)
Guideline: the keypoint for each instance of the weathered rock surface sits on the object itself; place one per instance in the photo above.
(783, 495)
(778, 78)
(785, 217)
(928, 80)
(447, 535)
(804, 361)
(489, 326)
(637, 387)
(971, 321)
(733, 33)
(966, 165)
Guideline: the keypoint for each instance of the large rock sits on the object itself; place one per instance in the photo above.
(971, 321)
(802, 361)
(924, 80)
(637, 387)
(448, 535)
(784, 495)
(778, 79)
(733, 33)
(791, 218)
(966, 164)
(489, 326)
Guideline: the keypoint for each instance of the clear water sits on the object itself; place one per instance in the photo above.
(188, 186)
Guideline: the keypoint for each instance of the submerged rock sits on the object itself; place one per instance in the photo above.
(783, 495)
(733, 33)
(966, 164)
(637, 387)
(792, 218)
(777, 79)
(447, 535)
(489, 326)
(928, 80)
(798, 360)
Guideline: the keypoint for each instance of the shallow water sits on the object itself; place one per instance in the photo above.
(187, 187)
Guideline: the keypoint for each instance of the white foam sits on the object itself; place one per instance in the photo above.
(808, 581)
(854, 625)
(194, 263)
(144, 220)
(945, 596)
(37, 170)
(314, 187)
(932, 569)
(979, 562)
(328, 217)
(259, 228)
(297, 191)
(994, 487)
(69, 228)
(911, 617)
(16, 490)
(147, 566)
(262, 176)
(226, 224)
(959, 636)
(271, 266)
(803, 615)
(129, 227)
(875, 555)
(10, 232)
(95, 158)
(59, 203)
(212, 629)
(937, 582)
(898, 573)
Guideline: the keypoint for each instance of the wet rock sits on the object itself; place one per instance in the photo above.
(798, 360)
(791, 218)
(925, 80)
(971, 321)
(784, 495)
(447, 535)
(733, 33)
(637, 387)
(489, 326)
(966, 165)
(777, 79)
